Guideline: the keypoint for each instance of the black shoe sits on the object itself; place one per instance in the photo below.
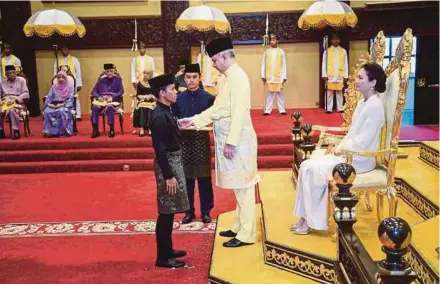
(283, 113)
(266, 114)
(235, 243)
(188, 218)
(327, 112)
(227, 234)
(206, 218)
(95, 132)
(111, 134)
(2, 134)
(16, 135)
(178, 253)
(79, 119)
(170, 263)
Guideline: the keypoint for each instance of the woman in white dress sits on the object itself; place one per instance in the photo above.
(364, 133)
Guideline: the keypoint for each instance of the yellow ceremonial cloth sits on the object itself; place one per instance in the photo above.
(140, 69)
(182, 89)
(104, 103)
(12, 62)
(331, 72)
(335, 86)
(149, 105)
(278, 54)
(273, 87)
(9, 107)
(70, 64)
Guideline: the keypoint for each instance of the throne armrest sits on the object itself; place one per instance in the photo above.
(323, 128)
(327, 138)
(371, 154)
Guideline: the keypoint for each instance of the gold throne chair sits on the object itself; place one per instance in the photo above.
(381, 180)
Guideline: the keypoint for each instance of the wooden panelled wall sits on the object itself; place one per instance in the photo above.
(247, 29)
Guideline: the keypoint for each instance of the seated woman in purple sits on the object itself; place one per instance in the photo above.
(58, 116)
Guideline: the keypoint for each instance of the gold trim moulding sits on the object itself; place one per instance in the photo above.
(420, 203)
(425, 273)
(429, 155)
(300, 264)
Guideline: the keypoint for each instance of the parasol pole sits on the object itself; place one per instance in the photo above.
(134, 46)
(1, 55)
(265, 43)
(55, 50)
(325, 45)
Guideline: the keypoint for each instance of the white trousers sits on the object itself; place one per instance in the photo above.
(245, 224)
(339, 100)
(280, 102)
(312, 189)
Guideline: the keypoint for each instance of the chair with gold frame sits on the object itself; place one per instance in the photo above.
(381, 179)
(352, 97)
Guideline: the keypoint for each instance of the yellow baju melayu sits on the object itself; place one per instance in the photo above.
(274, 70)
(233, 125)
(335, 68)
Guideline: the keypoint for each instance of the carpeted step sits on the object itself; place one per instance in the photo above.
(114, 153)
(121, 141)
(113, 165)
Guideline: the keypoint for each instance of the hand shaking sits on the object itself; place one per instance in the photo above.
(185, 123)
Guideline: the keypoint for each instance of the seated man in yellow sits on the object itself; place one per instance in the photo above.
(13, 90)
(107, 98)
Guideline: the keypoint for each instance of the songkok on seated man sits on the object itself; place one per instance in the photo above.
(109, 66)
(9, 68)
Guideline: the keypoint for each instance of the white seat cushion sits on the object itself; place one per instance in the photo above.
(374, 178)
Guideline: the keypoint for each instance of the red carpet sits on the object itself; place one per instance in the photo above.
(99, 260)
(87, 197)
(94, 259)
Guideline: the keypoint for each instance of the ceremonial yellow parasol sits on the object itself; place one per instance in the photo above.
(46, 22)
(325, 13)
(203, 18)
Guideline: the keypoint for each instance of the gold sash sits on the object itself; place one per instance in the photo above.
(330, 62)
(70, 64)
(278, 63)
